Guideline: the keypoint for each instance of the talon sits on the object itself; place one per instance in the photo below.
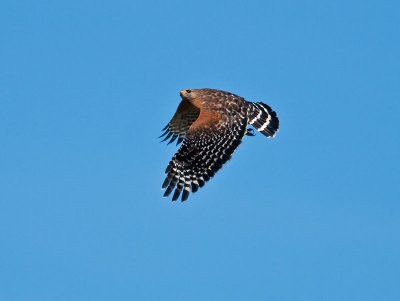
(250, 132)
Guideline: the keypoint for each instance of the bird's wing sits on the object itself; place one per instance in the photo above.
(184, 116)
(209, 144)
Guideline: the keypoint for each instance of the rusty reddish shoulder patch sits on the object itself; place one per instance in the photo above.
(205, 119)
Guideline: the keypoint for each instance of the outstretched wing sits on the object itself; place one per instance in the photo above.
(184, 116)
(208, 145)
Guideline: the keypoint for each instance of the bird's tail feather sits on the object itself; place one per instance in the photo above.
(263, 118)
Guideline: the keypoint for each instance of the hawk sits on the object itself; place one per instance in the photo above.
(211, 124)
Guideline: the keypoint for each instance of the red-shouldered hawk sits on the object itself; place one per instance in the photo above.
(211, 123)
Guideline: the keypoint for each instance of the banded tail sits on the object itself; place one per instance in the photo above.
(263, 118)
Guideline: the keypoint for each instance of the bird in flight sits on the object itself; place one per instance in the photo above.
(211, 124)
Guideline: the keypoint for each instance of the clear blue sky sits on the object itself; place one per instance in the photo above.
(87, 86)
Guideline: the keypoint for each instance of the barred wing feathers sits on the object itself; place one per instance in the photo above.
(203, 152)
(184, 116)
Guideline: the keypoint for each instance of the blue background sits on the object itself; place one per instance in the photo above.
(87, 86)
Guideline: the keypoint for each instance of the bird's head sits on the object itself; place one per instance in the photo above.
(188, 94)
(200, 98)
(193, 96)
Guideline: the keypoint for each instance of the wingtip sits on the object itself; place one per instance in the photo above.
(176, 195)
(166, 137)
(173, 138)
(185, 195)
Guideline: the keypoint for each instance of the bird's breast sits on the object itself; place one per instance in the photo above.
(206, 119)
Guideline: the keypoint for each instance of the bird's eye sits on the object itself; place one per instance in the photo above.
(188, 91)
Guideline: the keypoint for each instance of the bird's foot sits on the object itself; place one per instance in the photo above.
(250, 132)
